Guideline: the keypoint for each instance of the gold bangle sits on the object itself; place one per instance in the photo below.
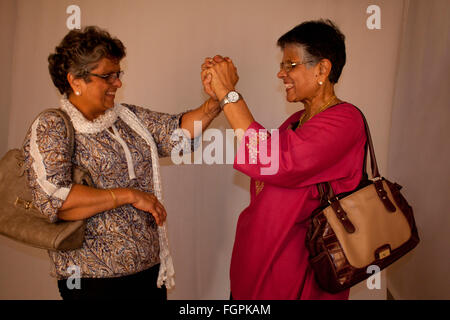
(114, 198)
(213, 114)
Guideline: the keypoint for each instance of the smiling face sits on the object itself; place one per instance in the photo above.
(301, 82)
(97, 95)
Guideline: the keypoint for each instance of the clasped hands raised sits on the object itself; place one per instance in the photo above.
(219, 76)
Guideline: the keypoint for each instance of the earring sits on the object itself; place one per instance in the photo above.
(320, 83)
(77, 93)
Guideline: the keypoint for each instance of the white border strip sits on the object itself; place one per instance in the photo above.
(38, 165)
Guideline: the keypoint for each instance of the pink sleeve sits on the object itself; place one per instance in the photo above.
(328, 147)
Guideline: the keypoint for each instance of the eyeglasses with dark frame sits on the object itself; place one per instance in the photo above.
(287, 66)
(109, 77)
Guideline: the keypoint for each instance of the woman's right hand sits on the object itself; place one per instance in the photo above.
(227, 67)
(219, 76)
(206, 78)
(149, 203)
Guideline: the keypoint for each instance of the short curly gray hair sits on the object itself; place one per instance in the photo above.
(79, 52)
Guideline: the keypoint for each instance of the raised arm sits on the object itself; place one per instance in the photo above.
(210, 108)
(221, 74)
(49, 172)
(205, 113)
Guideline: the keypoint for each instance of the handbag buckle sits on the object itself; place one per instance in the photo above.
(23, 203)
(383, 252)
(335, 198)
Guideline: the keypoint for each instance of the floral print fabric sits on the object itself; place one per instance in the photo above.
(117, 242)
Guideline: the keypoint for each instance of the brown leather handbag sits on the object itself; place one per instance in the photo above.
(371, 225)
(20, 220)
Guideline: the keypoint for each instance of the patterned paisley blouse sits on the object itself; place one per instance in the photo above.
(120, 241)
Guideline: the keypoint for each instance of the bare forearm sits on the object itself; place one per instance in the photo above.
(220, 75)
(205, 113)
(238, 115)
(84, 202)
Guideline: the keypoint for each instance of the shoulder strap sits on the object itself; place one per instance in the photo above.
(369, 143)
(325, 190)
(67, 122)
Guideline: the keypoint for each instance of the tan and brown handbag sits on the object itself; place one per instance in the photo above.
(371, 225)
(19, 218)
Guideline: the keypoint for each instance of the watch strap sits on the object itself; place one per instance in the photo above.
(225, 100)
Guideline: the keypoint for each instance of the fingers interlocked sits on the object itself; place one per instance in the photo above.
(218, 74)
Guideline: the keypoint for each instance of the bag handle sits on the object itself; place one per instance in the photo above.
(369, 144)
(67, 123)
(327, 194)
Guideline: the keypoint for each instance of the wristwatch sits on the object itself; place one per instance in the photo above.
(230, 97)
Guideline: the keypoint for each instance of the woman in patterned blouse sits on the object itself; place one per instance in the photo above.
(124, 253)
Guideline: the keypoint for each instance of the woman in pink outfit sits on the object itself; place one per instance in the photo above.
(323, 142)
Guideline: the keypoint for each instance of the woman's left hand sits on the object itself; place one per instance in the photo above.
(206, 78)
(220, 75)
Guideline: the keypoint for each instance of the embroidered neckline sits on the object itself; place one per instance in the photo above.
(83, 125)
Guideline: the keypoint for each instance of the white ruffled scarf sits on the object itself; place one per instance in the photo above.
(166, 274)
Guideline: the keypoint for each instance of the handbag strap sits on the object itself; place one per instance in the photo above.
(327, 194)
(369, 143)
(67, 123)
(368, 147)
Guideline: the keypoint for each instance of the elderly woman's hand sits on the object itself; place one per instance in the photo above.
(219, 76)
(149, 203)
(206, 78)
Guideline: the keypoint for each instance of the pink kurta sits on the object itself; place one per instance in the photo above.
(270, 259)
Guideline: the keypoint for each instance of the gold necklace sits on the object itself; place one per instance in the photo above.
(322, 108)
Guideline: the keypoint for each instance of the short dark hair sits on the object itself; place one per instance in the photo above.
(79, 53)
(321, 39)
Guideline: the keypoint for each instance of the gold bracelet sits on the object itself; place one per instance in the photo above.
(114, 198)
(213, 114)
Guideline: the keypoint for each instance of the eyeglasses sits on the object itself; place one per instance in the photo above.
(288, 66)
(109, 77)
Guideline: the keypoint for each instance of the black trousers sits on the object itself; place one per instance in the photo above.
(141, 285)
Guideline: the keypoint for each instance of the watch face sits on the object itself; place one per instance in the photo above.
(233, 96)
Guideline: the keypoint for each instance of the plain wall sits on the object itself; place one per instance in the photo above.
(166, 44)
(8, 20)
(419, 150)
